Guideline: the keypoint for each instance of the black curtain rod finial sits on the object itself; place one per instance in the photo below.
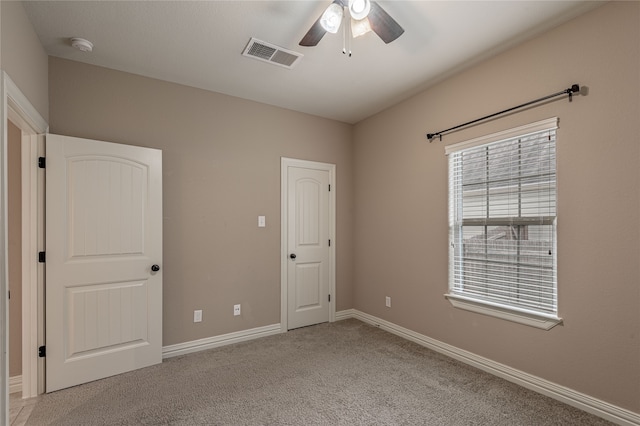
(575, 88)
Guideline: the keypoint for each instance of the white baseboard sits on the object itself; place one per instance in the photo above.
(348, 313)
(569, 396)
(15, 384)
(217, 341)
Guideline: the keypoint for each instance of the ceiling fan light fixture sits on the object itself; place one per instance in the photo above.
(331, 18)
(360, 28)
(359, 9)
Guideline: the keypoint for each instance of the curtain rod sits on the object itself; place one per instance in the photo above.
(575, 88)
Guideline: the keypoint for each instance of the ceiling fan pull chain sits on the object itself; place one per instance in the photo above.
(350, 36)
(344, 34)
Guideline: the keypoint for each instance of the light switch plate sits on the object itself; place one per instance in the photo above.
(262, 221)
(197, 316)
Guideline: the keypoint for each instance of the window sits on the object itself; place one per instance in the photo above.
(502, 225)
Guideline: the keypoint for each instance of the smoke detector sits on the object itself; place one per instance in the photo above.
(82, 44)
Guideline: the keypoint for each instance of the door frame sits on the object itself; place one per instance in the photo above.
(15, 105)
(32, 147)
(285, 163)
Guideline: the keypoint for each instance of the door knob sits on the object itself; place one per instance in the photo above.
(292, 256)
(155, 268)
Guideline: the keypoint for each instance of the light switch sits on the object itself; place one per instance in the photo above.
(262, 222)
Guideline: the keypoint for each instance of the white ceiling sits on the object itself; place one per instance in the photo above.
(199, 44)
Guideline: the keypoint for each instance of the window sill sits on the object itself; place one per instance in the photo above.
(531, 319)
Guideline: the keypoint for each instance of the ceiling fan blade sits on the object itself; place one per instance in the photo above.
(383, 24)
(314, 35)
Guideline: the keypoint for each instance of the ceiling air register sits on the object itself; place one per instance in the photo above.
(271, 53)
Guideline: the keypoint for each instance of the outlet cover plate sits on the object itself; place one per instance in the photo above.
(236, 310)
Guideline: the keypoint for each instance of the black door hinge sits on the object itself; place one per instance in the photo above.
(42, 162)
(329, 243)
(329, 298)
(329, 187)
(42, 351)
(41, 257)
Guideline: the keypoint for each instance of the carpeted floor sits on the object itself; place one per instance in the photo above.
(343, 373)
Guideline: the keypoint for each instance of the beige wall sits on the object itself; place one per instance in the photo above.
(221, 169)
(401, 204)
(23, 57)
(14, 222)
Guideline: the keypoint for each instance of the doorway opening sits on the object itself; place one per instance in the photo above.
(17, 110)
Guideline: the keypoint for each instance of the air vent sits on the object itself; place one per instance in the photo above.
(271, 53)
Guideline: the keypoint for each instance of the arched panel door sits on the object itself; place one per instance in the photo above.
(103, 259)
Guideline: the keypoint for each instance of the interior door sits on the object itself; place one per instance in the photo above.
(308, 246)
(103, 254)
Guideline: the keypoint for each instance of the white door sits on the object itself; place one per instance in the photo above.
(309, 270)
(103, 244)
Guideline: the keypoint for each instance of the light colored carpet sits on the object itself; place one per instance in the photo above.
(344, 373)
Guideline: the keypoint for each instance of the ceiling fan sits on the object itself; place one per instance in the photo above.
(365, 15)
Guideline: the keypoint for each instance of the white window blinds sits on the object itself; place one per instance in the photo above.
(502, 220)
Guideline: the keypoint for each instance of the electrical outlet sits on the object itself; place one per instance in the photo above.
(236, 310)
(197, 316)
(387, 301)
